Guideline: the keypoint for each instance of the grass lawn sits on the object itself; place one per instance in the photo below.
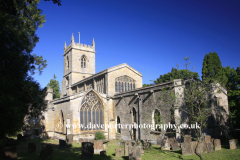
(74, 152)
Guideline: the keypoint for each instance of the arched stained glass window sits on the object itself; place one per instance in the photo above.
(83, 62)
(91, 111)
(124, 84)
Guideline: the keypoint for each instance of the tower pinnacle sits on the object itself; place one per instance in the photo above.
(72, 39)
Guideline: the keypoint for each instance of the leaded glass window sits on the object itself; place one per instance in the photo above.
(83, 62)
(91, 111)
(124, 83)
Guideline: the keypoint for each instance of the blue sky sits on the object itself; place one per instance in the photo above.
(152, 36)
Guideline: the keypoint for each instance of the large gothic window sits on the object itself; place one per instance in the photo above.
(91, 111)
(83, 62)
(125, 83)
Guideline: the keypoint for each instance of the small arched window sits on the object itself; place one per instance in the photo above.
(67, 63)
(134, 115)
(157, 120)
(83, 62)
(118, 125)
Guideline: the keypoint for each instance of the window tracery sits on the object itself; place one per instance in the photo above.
(83, 62)
(91, 111)
(124, 83)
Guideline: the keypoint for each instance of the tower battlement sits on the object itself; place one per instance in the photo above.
(79, 46)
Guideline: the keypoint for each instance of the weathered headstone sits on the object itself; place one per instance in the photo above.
(209, 146)
(186, 148)
(87, 150)
(80, 140)
(98, 146)
(119, 152)
(193, 146)
(202, 148)
(139, 143)
(126, 146)
(135, 153)
(160, 140)
(207, 139)
(103, 153)
(10, 152)
(166, 144)
(187, 138)
(174, 144)
(62, 143)
(46, 152)
(31, 147)
(69, 139)
(217, 144)
(233, 143)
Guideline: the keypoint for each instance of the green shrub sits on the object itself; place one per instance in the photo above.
(99, 135)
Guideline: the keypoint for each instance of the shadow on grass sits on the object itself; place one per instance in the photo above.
(226, 146)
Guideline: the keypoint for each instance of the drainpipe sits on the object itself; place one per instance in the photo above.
(139, 99)
(108, 113)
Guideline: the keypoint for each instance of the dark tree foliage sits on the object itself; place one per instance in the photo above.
(19, 93)
(54, 1)
(54, 84)
(232, 84)
(176, 74)
(212, 68)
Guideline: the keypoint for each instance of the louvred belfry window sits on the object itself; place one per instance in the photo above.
(91, 111)
(83, 62)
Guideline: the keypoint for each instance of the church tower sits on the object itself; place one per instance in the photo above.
(79, 63)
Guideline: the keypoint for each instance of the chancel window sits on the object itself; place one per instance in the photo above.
(91, 111)
(124, 83)
(83, 62)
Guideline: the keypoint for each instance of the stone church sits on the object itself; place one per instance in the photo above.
(110, 97)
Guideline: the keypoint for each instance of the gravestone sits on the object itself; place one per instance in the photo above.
(186, 148)
(217, 144)
(193, 146)
(69, 139)
(165, 144)
(209, 146)
(207, 139)
(187, 138)
(62, 143)
(139, 143)
(119, 152)
(233, 143)
(80, 140)
(126, 147)
(10, 152)
(119, 143)
(202, 148)
(87, 150)
(46, 152)
(135, 153)
(103, 153)
(174, 144)
(160, 140)
(98, 146)
(31, 147)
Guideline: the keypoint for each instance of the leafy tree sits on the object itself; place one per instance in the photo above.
(54, 84)
(19, 93)
(232, 83)
(212, 68)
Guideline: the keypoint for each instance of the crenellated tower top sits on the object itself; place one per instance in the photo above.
(83, 47)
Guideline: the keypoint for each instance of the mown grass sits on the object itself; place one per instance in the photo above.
(74, 152)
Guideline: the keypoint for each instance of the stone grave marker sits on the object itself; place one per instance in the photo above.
(202, 148)
(209, 146)
(147, 145)
(46, 152)
(233, 143)
(193, 146)
(160, 140)
(126, 147)
(217, 144)
(31, 147)
(207, 139)
(87, 150)
(135, 153)
(187, 138)
(98, 146)
(174, 144)
(119, 152)
(186, 148)
(166, 144)
(69, 139)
